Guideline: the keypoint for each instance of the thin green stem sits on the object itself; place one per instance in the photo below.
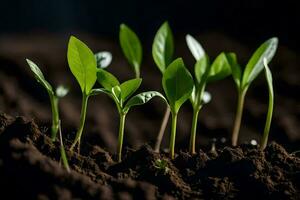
(137, 73)
(82, 122)
(63, 154)
(121, 136)
(55, 116)
(265, 137)
(238, 118)
(162, 129)
(194, 131)
(173, 135)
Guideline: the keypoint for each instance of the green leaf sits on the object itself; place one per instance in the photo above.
(255, 65)
(177, 83)
(61, 91)
(82, 64)
(103, 59)
(235, 68)
(106, 79)
(163, 47)
(142, 98)
(131, 47)
(39, 76)
(129, 87)
(116, 93)
(195, 47)
(202, 68)
(220, 68)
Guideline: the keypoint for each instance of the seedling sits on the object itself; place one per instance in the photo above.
(162, 53)
(60, 92)
(131, 47)
(63, 154)
(178, 85)
(122, 96)
(269, 79)
(83, 66)
(204, 73)
(103, 59)
(162, 166)
(243, 80)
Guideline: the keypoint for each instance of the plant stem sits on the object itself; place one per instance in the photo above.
(55, 116)
(194, 131)
(121, 136)
(265, 137)
(173, 135)
(238, 118)
(162, 129)
(63, 154)
(82, 122)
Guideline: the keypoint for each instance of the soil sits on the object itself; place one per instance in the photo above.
(30, 168)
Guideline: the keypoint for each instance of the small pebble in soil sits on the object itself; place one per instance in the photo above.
(253, 142)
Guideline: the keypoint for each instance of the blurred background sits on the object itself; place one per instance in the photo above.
(39, 30)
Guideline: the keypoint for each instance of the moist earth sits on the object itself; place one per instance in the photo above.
(30, 168)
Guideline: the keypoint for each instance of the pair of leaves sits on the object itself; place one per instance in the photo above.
(131, 47)
(218, 70)
(204, 71)
(60, 91)
(122, 92)
(255, 65)
(82, 63)
(178, 84)
(163, 47)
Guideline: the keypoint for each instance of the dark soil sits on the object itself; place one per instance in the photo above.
(30, 169)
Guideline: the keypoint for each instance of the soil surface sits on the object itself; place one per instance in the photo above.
(30, 168)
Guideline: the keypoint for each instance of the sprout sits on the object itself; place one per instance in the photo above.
(162, 53)
(162, 166)
(244, 79)
(204, 73)
(122, 96)
(83, 66)
(63, 154)
(60, 92)
(269, 79)
(178, 85)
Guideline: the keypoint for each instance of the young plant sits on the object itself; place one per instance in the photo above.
(54, 96)
(204, 73)
(131, 47)
(178, 85)
(63, 155)
(162, 53)
(103, 59)
(83, 66)
(269, 79)
(243, 79)
(162, 166)
(122, 96)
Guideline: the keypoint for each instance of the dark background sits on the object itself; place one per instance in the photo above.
(39, 30)
(247, 20)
